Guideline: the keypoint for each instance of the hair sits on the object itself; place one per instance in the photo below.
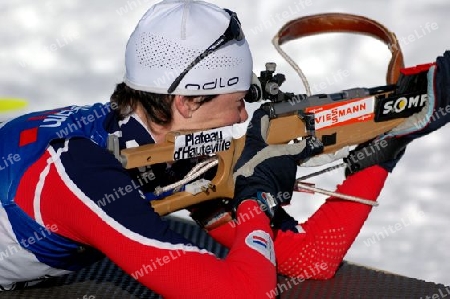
(157, 106)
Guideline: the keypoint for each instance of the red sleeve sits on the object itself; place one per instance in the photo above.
(327, 235)
(331, 230)
(155, 256)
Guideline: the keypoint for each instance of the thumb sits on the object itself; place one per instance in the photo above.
(259, 125)
(306, 148)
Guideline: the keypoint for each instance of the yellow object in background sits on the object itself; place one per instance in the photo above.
(10, 104)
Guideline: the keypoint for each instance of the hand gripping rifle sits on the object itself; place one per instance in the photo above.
(342, 119)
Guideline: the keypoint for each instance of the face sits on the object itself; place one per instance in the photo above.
(223, 110)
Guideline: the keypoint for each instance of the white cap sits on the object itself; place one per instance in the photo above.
(170, 36)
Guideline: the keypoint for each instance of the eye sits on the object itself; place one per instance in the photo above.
(208, 98)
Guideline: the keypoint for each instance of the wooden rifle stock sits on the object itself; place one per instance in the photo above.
(162, 153)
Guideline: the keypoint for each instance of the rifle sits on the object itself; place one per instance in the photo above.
(342, 119)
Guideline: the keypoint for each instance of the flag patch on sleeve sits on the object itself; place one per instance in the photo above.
(263, 243)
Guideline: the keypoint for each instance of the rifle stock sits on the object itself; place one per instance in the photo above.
(163, 153)
(347, 135)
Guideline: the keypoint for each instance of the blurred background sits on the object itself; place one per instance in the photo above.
(62, 52)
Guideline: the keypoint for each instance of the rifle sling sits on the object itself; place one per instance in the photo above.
(342, 22)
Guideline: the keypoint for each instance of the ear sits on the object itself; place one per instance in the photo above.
(186, 106)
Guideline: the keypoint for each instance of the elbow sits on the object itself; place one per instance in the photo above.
(318, 270)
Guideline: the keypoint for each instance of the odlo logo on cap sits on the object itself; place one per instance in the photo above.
(216, 83)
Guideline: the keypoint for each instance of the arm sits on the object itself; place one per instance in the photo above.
(134, 237)
(315, 250)
(326, 236)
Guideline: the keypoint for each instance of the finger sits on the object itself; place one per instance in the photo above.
(305, 149)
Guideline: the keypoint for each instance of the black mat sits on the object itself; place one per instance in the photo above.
(104, 280)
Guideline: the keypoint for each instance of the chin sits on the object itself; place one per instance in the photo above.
(230, 123)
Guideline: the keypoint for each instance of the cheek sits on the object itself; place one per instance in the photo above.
(228, 112)
(234, 113)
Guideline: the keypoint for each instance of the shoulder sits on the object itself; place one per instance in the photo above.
(86, 166)
(82, 152)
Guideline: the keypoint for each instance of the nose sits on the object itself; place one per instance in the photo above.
(243, 115)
